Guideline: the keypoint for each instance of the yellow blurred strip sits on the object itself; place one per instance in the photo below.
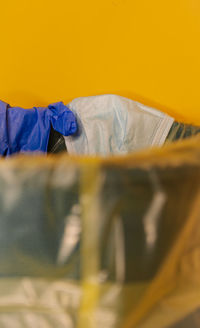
(89, 196)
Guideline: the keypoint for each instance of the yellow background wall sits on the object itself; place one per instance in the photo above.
(147, 50)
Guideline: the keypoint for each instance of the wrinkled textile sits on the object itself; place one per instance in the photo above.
(111, 124)
(28, 130)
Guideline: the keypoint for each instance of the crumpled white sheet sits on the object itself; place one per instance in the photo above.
(111, 125)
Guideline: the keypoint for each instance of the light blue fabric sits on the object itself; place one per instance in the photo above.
(110, 124)
(27, 130)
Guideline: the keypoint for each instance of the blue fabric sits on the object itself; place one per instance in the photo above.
(27, 130)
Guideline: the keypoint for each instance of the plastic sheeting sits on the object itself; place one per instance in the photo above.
(92, 243)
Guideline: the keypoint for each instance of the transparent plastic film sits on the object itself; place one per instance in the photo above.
(91, 242)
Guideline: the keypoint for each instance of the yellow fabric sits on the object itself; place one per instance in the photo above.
(144, 50)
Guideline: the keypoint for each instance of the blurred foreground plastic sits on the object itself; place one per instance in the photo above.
(93, 243)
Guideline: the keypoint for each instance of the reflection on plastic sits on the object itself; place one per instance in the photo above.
(71, 235)
(153, 213)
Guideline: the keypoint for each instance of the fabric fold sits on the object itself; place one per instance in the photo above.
(27, 130)
(111, 125)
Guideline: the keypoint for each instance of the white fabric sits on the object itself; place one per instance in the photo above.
(110, 124)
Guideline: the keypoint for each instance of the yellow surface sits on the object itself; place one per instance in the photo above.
(147, 50)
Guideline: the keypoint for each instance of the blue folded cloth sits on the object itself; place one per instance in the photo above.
(28, 130)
